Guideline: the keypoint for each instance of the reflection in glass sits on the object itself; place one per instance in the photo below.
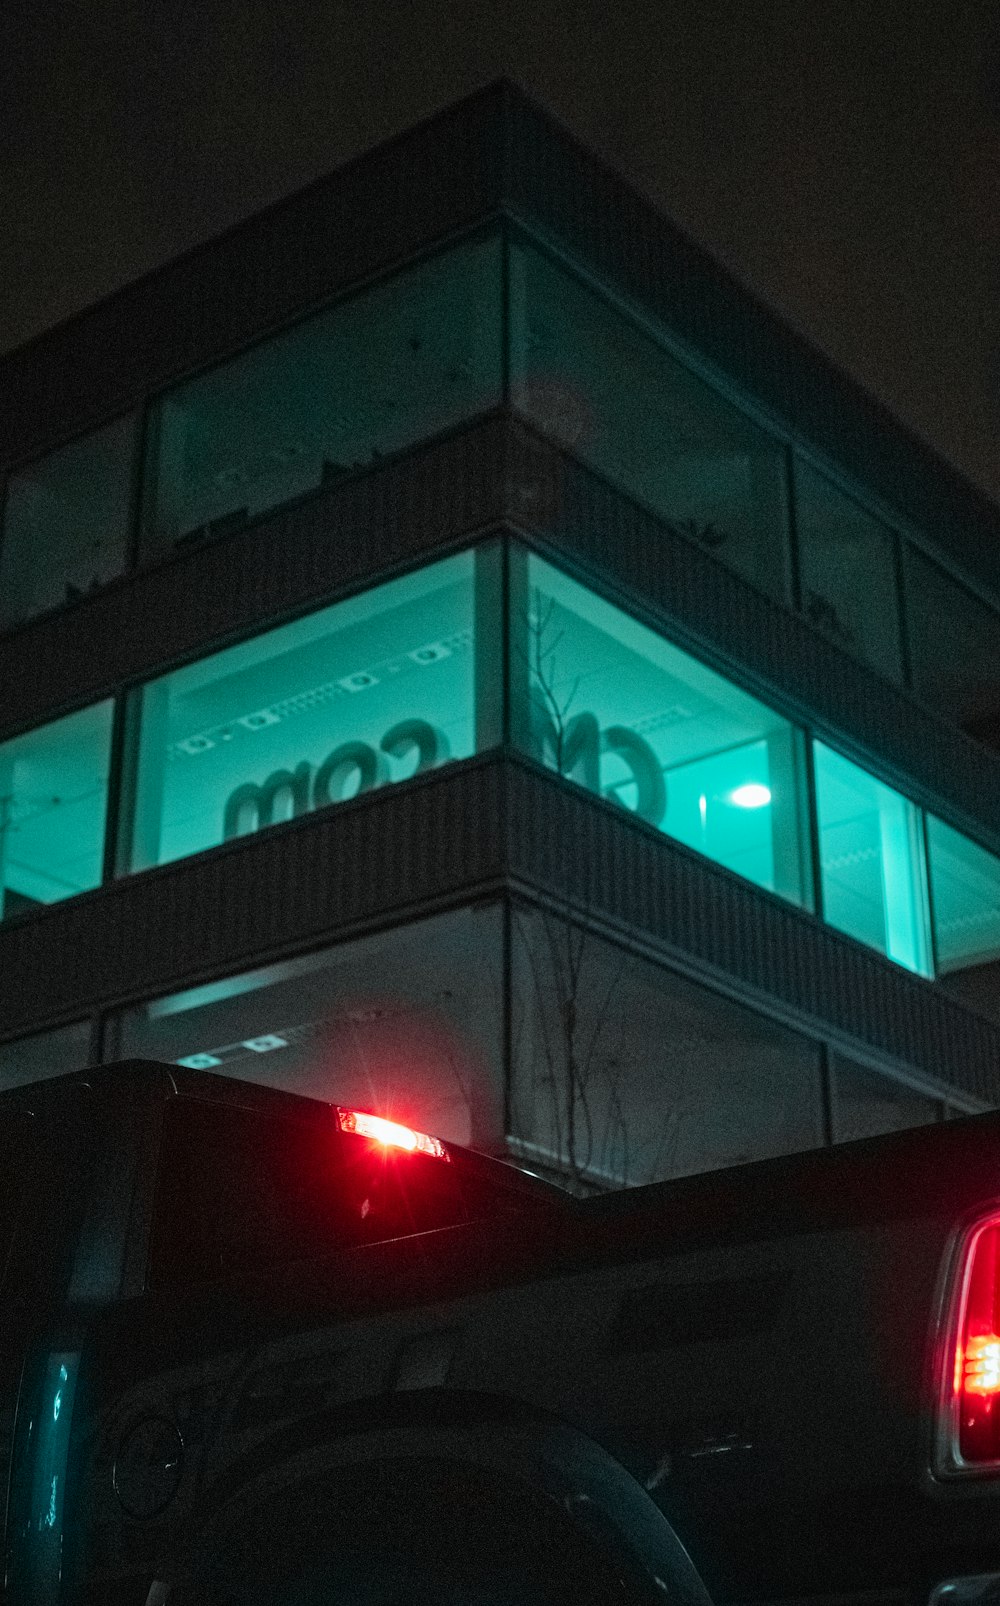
(866, 1103)
(612, 706)
(586, 374)
(66, 523)
(624, 1073)
(53, 796)
(839, 541)
(872, 864)
(370, 691)
(406, 1024)
(366, 378)
(965, 888)
(33, 1059)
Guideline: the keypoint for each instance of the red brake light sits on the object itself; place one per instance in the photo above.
(390, 1133)
(973, 1411)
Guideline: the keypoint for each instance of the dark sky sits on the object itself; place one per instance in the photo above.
(843, 158)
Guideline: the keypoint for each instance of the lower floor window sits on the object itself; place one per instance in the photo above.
(510, 1029)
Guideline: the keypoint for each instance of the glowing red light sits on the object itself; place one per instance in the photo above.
(390, 1133)
(976, 1381)
(981, 1369)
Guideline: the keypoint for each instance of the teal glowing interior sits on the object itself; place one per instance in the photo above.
(360, 695)
(617, 709)
(53, 798)
(872, 861)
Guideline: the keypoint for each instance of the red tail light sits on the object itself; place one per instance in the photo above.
(390, 1133)
(971, 1414)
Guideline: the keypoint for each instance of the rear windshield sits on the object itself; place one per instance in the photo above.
(238, 1190)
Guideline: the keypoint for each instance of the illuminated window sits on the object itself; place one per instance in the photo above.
(624, 1073)
(365, 693)
(965, 888)
(954, 648)
(66, 521)
(406, 1024)
(53, 796)
(590, 377)
(872, 863)
(366, 378)
(839, 540)
(867, 1103)
(33, 1059)
(615, 708)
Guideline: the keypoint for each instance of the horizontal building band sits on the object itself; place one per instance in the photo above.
(496, 473)
(491, 827)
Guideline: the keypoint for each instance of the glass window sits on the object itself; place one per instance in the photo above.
(406, 1023)
(872, 865)
(612, 706)
(954, 649)
(586, 374)
(66, 523)
(867, 1103)
(624, 1073)
(53, 796)
(368, 692)
(33, 1059)
(965, 890)
(368, 377)
(838, 542)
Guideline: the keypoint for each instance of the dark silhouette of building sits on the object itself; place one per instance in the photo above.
(463, 655)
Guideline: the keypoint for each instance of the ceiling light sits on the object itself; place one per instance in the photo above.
(752, 795)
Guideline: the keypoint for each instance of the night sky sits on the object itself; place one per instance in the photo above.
(842, 158)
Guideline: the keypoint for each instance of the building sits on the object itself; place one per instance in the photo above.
(462, 654)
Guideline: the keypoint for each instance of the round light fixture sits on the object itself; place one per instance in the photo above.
(751, 796)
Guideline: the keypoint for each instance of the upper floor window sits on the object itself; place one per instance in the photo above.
(965, 883)
(53, 804)
(588, 375)
(874, 877)
(839, 542)
(66, 523)
(371, 375)
(372, 690)
(954, 648)
(614, 707)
